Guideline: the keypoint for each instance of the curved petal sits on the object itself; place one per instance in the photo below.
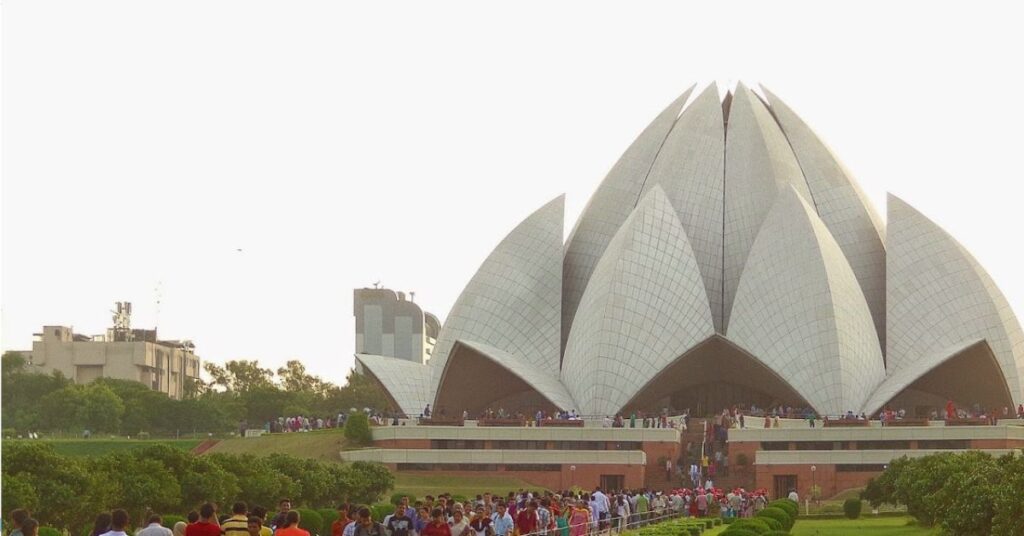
(645, 306)
(610, 205)
(799, 309)
(406, 383)
(513, 301)
(467, 382)
(937, 296)
(843, 207)
(690, 169)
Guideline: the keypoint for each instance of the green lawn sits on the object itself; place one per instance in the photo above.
(99, 447)
(881, 526)
(421, 485)
(323, 445)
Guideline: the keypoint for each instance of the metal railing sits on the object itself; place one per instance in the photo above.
(616, 525)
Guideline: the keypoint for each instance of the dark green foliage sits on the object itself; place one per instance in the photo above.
(728, 520)
(49, 531)
(773, 524)
(718, 521)
(329, 516)
(169, 521)
(740, 532)
(790, 507)
(708, 523)
(357, 429)
(380, 510)
(694, 531)
(244, 391)
(776, 533)
(852, 508)
(396, 497)
(755, 525)
(310, 520)
(66, 492)
(777, 514)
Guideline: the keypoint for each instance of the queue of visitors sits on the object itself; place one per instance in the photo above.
(522, 513)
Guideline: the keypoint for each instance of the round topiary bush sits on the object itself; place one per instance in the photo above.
(791, 508)
(718, 521)
(310, 520)
(776, 533)
(773, 524)
(758, 526)
(169, 521)
(357, 429)
(396, 497)
(777, 514)
(852, 507)
(727, 520)
(693, 531)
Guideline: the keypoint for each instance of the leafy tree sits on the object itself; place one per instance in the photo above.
(239, 375)
(259, 483)
(101, 408)
(65, 492)
(294, 378)
(140, 485)
(60, 408)
(366, 482)
(1008, 502)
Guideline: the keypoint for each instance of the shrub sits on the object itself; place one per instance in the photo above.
(718, 521)
(773, 524)
(49, 531)
(693, 531)
(776, 533)
(310, 520)
(357, 429)
(727, 520)
(10, 433)
(328, 517)
(791, 508)
(460, 498)
(852, 507)
(709, 523)
(758, 526)
(777, 514)
(396, 497)
(169, 521)
(739, 532)
(380, 510)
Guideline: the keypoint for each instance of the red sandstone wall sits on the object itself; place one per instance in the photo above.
(585, 476)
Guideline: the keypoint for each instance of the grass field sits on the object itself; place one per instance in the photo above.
(323, 445)
(99, 447)
(881, 526)
(421, 485)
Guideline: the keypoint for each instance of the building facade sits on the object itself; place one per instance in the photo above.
(135, 355)
(388, 324)
(550, 457)
(727, 259)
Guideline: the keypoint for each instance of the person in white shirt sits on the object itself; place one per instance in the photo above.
(154, 528)
(793, 496)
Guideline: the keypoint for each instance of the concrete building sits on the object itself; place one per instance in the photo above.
(122, 353)
(551, 457)
(388, 324)
(728, 258)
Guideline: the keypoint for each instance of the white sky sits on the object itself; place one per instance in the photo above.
(338, 143)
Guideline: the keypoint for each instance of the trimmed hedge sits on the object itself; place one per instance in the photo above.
(852, 508)
(310, 520)
(396, 497)
(169, 521)
(776, 533)
(758, 526)
(381, 510)
(739, 532)
(327, 516)
(777, 514)
(791, 508)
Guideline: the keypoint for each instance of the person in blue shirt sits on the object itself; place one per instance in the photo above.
(501, 521)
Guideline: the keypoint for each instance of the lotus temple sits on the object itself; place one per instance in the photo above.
(727, 258)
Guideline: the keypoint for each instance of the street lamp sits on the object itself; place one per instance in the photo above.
(572, 476)
(814, 482)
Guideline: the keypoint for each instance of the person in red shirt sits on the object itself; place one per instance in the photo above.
(437, 525)
(338, 527)
(207, 524)
(526, 519)
(291, 525)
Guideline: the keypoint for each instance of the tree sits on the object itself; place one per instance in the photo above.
(101, 408)
(367, 482)
(240, 375)
(294, 378)
(59, 409)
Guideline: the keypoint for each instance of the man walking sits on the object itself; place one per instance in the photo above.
(154, 527)
(238, 523)
(118, 522)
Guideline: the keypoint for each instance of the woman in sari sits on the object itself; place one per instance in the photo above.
(580, 520)
(562, 520)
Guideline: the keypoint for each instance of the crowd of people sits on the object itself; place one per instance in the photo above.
(564, 513)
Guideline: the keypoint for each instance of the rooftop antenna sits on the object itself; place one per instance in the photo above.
(412, 296)
(377, 284)
(158, 294)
